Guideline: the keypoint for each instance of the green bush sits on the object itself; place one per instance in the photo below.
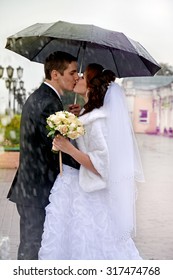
(11, 131)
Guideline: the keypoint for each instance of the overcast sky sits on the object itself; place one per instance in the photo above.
(148, 21)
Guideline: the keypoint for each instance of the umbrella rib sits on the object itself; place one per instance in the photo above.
(115, 63)
(79, 50)
(51, 39)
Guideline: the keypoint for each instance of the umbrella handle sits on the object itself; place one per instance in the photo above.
(80, 69)
(75, 98)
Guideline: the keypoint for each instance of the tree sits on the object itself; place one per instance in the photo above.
(166, 70)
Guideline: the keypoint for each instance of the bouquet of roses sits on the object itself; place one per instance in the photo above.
(66, 124)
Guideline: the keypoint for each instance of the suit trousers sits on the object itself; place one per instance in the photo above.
(31, 230)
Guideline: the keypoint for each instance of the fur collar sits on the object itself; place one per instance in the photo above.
(93, 115)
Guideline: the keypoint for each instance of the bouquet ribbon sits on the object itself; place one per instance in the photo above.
(54, 150)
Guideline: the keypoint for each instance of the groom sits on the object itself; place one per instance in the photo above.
(38, 166)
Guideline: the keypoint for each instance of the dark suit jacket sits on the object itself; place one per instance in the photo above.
(38, 165)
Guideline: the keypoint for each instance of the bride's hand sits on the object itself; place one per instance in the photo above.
(63, 144)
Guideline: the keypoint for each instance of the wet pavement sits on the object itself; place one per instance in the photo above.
(155, 198)
(154, 204)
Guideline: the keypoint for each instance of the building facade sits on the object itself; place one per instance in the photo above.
(150, 102)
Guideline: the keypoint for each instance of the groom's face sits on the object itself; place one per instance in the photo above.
(68, 80)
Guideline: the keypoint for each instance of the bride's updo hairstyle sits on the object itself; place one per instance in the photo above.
(97, 80)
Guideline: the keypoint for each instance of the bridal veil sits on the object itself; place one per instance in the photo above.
(125, 166)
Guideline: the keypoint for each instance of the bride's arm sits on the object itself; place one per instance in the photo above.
(63, 144)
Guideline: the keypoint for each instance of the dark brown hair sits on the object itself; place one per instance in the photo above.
(97, 80)
(57, 61)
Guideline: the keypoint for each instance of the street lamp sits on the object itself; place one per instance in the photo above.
(11, 84)
(21, 97)
(1, 71)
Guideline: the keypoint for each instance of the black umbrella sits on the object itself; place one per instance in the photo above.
(114, 50)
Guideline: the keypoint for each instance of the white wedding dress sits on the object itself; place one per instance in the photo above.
(79, 223)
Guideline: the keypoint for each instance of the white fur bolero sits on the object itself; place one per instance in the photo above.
(94, 144)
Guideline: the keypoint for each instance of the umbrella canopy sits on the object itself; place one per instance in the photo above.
(89, 43)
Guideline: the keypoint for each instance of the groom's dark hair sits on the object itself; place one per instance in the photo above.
(57, 61)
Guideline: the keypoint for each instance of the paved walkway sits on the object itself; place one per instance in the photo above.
(154, 205)
(9, 220)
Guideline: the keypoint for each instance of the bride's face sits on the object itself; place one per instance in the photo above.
(80, 86)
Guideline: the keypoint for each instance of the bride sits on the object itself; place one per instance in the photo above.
(91, 214)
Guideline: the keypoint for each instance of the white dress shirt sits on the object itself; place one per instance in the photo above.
(53, 89)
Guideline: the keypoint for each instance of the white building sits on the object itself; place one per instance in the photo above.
(150, 101)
